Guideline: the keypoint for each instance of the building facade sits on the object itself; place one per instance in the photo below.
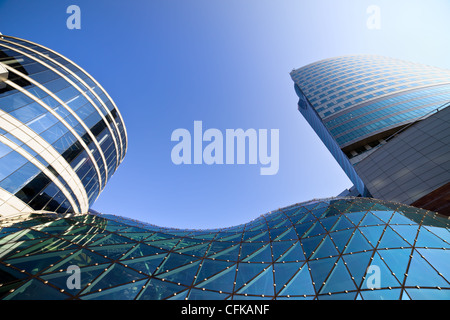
(61, 135)
(342, 248)
(363, 105)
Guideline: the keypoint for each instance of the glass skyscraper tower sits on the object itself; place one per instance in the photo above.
(382, 120)
(62, 136)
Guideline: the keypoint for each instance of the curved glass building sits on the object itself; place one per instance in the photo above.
(61, 135)
(341, 248)
(386, 122)
(360, 98)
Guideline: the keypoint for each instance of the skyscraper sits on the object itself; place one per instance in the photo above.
(62, 136)
(362, 106)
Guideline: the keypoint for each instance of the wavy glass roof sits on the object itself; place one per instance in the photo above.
(340, 248)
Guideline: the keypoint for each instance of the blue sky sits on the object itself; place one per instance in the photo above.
(169, 63)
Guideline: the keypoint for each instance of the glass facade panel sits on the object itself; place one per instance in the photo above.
(125, 259)
(62, 104)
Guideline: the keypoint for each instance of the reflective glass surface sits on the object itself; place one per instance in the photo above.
(341, 248)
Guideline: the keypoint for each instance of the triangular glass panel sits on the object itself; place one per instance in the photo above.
(260, 237)
(87, 275)
(231, 253)
(186, 242)
(398, 218)
(384, 216)
(112, 252)
(421, 274)
(140, 250)
(135, 229)
(295, 253)
(80, 258)
(300, 284)
(15, 249)
(114, 275)
(262, 284)
(320, 270)
(357, 264)
(397, 260)
(83, 240)
(307, 218)
(184, 274)
(274, 233)
(160, 236)
(330, 212)
(316, 229)
(355, 217)
(371, 220)
(174, 260)
(9, 274)
(392, 240)
(37, 263)
(328, 223)
(167, 244)
(357, 243)
(372, 233)
(36, 290)
(430, 240)
(339, 280)
(288, 234)
(284, 272)
(407, 232)
(442, 233)
(325, 249)
(246, 271)
(136, 236)
(264, 254)
(231, 237)
(221, 281)
(302, 228)
(147, 264)
(342, 224)
(197, 250)
(319, 212)
(380, 207)
(378, 274)
(217, 247)
(310, 244)
(340, 238)
(439, 259)
(280, 247)
(111, 239)
(210, 267)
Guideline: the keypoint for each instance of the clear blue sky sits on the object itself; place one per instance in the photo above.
(226, 63)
